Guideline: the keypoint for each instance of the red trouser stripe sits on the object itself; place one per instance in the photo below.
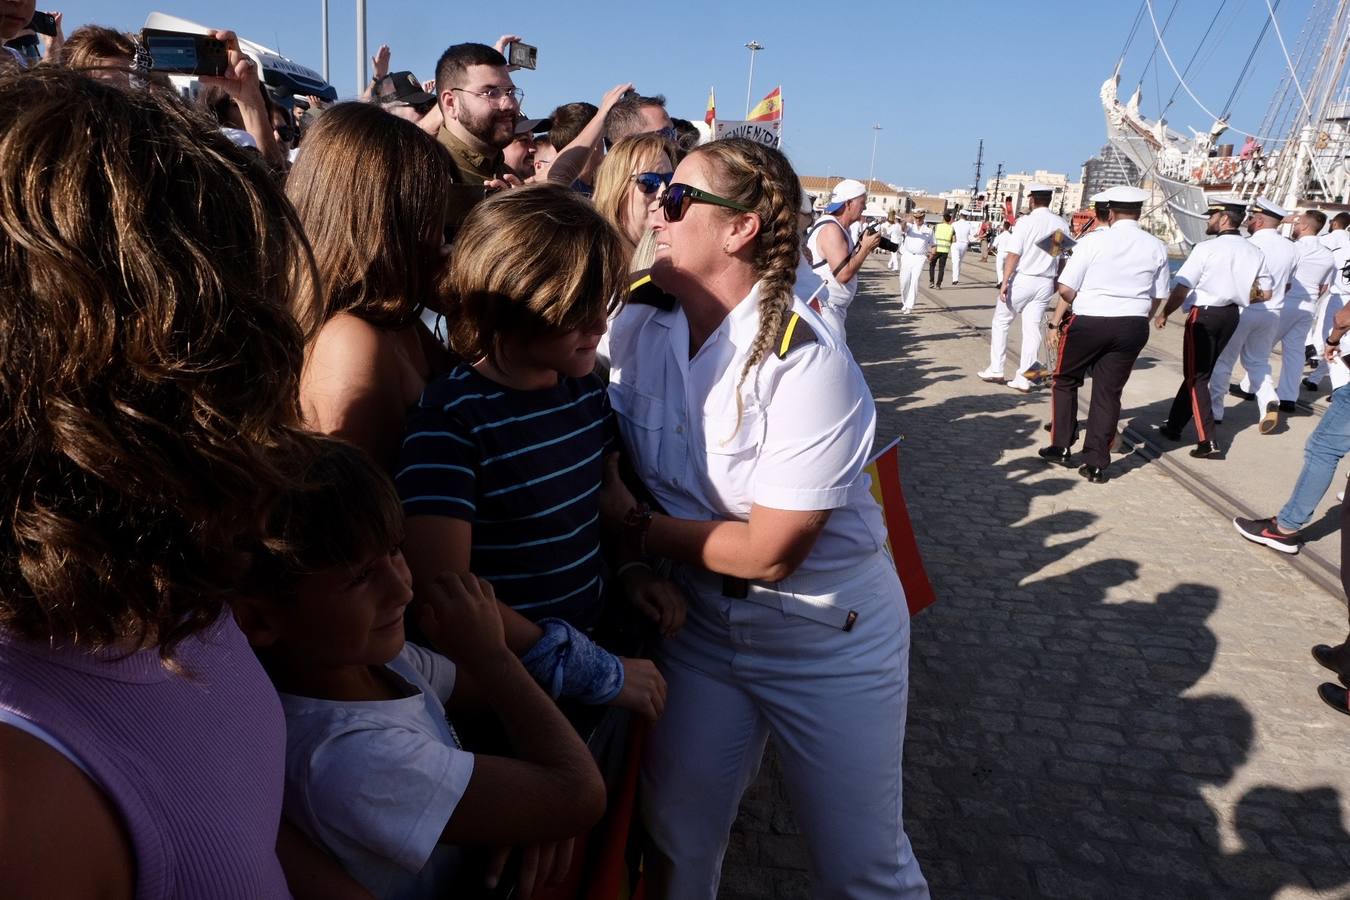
(1188, 361)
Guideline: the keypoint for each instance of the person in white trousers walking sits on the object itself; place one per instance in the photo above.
(965, 230)
(916, 245)
(1028, 283)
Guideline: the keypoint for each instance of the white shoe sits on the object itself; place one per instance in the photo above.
(1021, 384)
(991, 375)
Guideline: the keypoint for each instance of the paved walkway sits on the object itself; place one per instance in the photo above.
(1113, 696)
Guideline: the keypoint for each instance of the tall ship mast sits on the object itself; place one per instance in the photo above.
(1298, 156)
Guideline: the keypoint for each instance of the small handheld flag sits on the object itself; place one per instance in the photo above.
(884, 470)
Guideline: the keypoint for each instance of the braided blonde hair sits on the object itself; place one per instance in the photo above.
(762, 179)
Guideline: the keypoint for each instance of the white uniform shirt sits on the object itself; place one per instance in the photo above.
(1314, 270)
(1036, 225)
(1117, 271)
(1281, 257)
(804, 436)
(965, 230)
(918, 239)
(1338, 242)
(837, 294)
(1223, 271)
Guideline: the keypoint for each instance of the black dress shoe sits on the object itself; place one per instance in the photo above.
(1326, 658)
(1237, 391)
(1057, 455)
(1169, 432)
(1288, 406)
(1206, 450)
(1094, 474)
(1309, 385)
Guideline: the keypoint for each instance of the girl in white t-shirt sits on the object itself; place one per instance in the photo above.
(374, 772)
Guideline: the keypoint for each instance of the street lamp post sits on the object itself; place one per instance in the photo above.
(361, 78)
(754, 47)
(325, 40)
(871, 170)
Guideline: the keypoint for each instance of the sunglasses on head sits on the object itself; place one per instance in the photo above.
(651, 182)
(679, 197)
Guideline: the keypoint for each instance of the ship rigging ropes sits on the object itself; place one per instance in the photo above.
(1157, 34)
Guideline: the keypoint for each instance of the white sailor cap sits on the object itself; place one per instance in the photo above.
(1037, 188)
(1124, 195)
(965, 212)
(1265, 207)
(1099, 198)
(1231, 205)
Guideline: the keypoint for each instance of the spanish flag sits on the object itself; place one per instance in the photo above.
(884, 470)
(711, 114)
(770, 108)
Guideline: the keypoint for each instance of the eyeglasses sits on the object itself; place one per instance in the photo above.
(651, 182)
(679, 197)
(494, 94)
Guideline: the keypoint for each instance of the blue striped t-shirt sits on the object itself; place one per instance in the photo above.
(525, 468)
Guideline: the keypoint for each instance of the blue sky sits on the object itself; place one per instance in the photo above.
(937, 76)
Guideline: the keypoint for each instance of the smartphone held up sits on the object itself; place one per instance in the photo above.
(521, 55)
(180, 53)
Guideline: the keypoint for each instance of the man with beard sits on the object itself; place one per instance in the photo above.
(480, 105)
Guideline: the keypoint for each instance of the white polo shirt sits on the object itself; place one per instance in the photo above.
(1117, 271)
(1222, 272)
(1035, 226)
(1281, 257)
(804, 435)
(965, 229)
(1314, 270)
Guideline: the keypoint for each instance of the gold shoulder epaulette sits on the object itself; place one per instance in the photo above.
(795, 333)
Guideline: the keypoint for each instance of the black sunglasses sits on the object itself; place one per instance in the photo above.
(651, 182)
(679, 197)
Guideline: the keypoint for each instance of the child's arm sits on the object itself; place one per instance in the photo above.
(553, 791)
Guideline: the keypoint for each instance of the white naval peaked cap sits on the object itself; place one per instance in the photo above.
(1037, 188)
(1262, 205)
(1100, 197)
(1124, 194)
(965, 212)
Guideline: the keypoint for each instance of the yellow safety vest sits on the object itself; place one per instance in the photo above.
(942, 236)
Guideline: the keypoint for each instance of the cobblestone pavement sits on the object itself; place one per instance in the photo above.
(1113, 696)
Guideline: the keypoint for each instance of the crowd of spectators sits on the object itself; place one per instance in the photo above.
(275, 371)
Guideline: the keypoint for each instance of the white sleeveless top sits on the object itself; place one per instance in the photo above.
(837, 296)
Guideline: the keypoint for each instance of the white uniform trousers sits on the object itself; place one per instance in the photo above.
(1327, 307)
(958, 254)
(779, 662)
(911, 270)
(1028, 296)
(1252, 342)
(1291, 334)
(894, 264)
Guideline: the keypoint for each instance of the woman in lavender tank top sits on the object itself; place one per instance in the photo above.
(148, 379)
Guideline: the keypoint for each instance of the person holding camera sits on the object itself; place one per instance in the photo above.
(837, 257)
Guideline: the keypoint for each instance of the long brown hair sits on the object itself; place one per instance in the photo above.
(761, 179)
(148, 365)
(370, 191)
(532, 261)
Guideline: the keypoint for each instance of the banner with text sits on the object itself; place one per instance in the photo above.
(764, 132)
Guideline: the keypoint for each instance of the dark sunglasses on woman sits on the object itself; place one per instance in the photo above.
(679, 197)
(651, 182)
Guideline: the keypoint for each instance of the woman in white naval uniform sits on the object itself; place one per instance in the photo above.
(749, 424)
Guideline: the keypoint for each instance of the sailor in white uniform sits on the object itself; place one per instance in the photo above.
(1314, 272)
(1028, 284)
(964, 230)
(1109, 289)
(1337, 240)
(1259, 324)
(895, 230)
(1216, 282)
(916, 245)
